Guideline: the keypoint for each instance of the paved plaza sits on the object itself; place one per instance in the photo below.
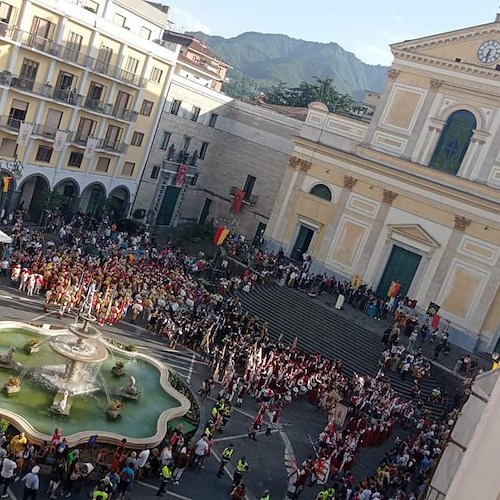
(347, 334)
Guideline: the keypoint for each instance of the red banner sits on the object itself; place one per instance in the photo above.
(237, 201)
(180, 179)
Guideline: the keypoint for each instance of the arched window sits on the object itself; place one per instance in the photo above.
(454, 141)
(321, 191)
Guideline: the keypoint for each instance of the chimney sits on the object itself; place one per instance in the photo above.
(497, 18)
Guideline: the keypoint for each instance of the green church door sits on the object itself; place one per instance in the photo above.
(302, 242)
(401, 266)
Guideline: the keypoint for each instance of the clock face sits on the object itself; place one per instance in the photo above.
(489, 51)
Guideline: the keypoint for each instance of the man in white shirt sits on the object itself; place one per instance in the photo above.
(199, 451)
(142, 459)
(8, 469)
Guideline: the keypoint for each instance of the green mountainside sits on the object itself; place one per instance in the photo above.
(261, 60)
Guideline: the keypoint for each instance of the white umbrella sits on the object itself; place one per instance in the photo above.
(5, 238)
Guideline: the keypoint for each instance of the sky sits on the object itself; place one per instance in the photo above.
(363, 27)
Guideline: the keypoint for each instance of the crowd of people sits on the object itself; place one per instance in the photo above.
(118, 276)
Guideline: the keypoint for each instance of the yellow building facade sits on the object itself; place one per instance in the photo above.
(412, 193)
(82, 85)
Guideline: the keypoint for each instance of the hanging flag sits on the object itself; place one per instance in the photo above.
(220, 235)
(435, 321)
(90, 147)
(6, 183)
(25, 131)
(181, 175)
(60, 140)
(237, 201)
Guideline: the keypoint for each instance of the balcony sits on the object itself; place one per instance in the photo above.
(80, 139)
(248, 199)
(172, 167)
(9, 123)
(69, 54)
(110, 145)
(43, 130)
(109, 109)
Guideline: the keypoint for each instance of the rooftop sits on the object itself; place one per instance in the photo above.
(290, 111)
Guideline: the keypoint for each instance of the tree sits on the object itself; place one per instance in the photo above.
(322, 90)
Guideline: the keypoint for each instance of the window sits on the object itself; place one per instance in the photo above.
(195, 114)
(321, 191)
(52, 122)
(113, 137)
(213, 120)
(454, 141)
(92, 6)
(122, 104)
(29, 69)
(137, 139)
(75, 159)
(103, 59)
(6, 11)
(203, 150)
(165, 140)
(41, 29)
(17, 113)
(194, 179)
(95, 95)
(186, 141)
(128, 169)
(176, 106)
(146, 108)
(145, 33)
(102, 164)
(9, 148)
(73, 46)
(155, 172)
(119, 20)
(156, 74)
(132, 64)
(43, 154)
(86, 127)
(249, 185)
(64, 85)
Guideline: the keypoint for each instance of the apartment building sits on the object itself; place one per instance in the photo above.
(209, 146)
(82, 85)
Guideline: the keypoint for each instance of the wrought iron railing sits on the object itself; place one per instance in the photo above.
(69, 54)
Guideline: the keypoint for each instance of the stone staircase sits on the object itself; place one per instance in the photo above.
(335, 334)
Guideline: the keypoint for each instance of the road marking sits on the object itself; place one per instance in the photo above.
(42, 316)
(238, 436)
(191, 365)
(153, 487)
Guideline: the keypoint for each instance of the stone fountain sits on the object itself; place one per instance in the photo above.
(83, 350)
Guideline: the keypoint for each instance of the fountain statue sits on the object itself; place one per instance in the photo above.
(83, 350)
(7, 358)
(131, 390)
(61, 404)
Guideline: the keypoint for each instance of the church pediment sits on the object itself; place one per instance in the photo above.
(477, 46)
(413, 232)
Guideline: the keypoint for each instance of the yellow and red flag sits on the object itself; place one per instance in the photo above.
(220, 235)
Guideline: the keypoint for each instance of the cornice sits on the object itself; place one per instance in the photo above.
(413, 174)
(470, 69)
(461, 35)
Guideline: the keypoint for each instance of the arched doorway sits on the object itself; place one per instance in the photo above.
(65, 196)
(118, 202)
(35, 193)
(93, 199)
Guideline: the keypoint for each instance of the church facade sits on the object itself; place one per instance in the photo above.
(411, 194)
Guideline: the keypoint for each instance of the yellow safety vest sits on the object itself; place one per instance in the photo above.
(227, 453)
(166, 472)
(241, 466)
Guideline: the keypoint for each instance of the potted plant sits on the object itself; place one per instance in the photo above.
(118, 369)
(31, 346)
(13, 385)
(115, 408)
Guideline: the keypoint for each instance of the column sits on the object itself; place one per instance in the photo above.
(461, 224)
(293, 176)
(376, 230)
(349, 183)
(414, 145)
(431, 140)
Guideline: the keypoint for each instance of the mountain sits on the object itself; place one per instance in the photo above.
(260, 60)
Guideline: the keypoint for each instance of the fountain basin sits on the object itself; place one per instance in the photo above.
(142, 422)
